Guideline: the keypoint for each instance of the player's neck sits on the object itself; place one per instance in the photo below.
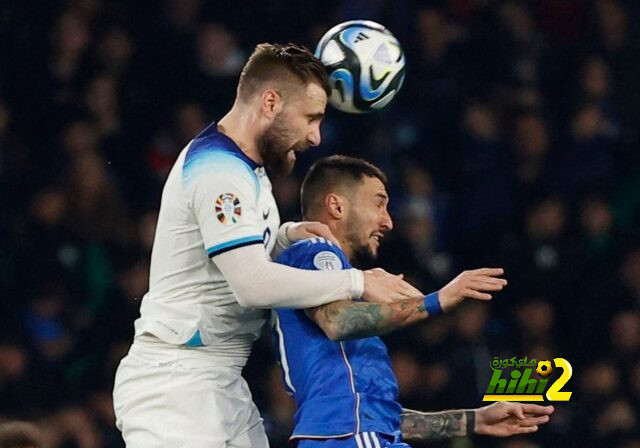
(344, 244)
(240, 126)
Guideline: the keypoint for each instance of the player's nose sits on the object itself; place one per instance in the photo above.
(314, 138)
(386, 221)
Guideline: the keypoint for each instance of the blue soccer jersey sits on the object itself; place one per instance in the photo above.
(340, 388)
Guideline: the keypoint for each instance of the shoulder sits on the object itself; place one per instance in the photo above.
(315, 253)
(214, 157)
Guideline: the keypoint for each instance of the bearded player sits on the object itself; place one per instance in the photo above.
(211, 272)
(336, 369)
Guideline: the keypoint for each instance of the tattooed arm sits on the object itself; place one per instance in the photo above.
(346, 319)
(499, 419)
(433, 426)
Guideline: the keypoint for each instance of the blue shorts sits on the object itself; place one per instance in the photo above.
(361, 440)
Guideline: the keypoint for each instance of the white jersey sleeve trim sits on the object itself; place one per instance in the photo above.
(233, 244)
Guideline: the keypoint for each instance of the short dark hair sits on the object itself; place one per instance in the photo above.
(281, 62)
(333, 173)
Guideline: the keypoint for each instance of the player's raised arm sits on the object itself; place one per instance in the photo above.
(259, 283)
(350, 320)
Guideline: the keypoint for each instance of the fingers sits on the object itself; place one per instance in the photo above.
(406, 290)
(486, 286)
(473, 294)
(484, 279)
(534, 421)
(516, 409)
(526, 429)
(491, 272)
(536, 409)
(382, 287)
(323, 231)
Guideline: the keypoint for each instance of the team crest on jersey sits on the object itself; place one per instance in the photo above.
(228, 209)
(327, 261)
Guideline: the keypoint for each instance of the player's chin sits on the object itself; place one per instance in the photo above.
(374, 245)
(282, 165)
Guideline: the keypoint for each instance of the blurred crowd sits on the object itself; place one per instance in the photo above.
(515, 142)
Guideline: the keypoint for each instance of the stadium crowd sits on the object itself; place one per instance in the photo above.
(515, 142)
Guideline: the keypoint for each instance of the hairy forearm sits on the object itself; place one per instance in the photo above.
(433, 426)
(346, 319)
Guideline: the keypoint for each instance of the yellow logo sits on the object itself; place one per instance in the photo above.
(522, 387)
(544, 368)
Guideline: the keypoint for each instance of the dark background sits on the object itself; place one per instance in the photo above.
(514, 143)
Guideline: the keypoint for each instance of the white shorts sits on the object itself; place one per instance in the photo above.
(178, 397)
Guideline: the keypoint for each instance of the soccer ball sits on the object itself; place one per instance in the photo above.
(365, 63)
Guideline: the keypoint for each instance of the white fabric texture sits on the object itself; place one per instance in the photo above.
(257, 282)
(174, 397)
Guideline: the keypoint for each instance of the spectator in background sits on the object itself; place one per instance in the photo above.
(423, 239)
(97, 210)
(169, 139)
(68, 64)
(115, 51)
(530, 141)
(102, 103)
(587, 161)
(469, 355)
(595, 86)
(19, 435)
(486, 195)
(14, 378)
(522, 45)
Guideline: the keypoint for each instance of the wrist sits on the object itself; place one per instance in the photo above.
(432, 304)
(357, 284)
(284, 229)
(472, 421)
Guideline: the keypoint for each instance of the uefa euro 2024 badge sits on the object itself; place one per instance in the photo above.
(228, 209)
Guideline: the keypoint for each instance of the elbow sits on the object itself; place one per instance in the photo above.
(247, 300)
(333, 336)
(332, 333)
(336, 335)
(243, 302)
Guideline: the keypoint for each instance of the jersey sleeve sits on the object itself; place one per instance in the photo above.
(315, 254)
(223, 191)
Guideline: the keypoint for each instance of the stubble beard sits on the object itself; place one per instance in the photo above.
(362, 255)
(273, 148)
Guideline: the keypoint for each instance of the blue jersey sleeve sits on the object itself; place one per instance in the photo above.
(315, 254)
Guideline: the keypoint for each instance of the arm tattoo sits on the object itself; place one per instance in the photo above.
(433, 426)
(346, 319)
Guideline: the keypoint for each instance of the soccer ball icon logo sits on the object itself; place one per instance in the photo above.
(544, 368)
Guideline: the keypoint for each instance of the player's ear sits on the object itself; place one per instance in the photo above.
(334, 205)
(271, 103)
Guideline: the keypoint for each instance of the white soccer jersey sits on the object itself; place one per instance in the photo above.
(215, 199)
